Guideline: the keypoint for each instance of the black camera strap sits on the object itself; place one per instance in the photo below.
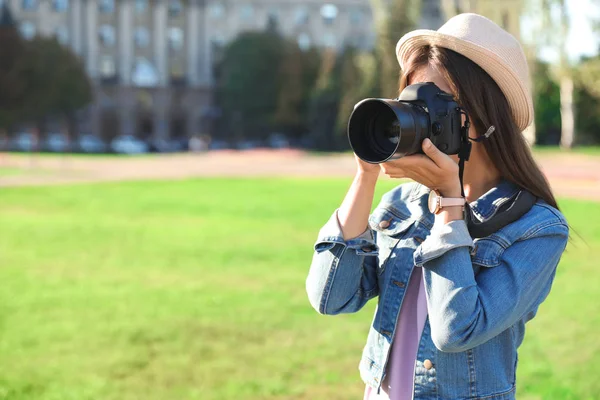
(518, 206)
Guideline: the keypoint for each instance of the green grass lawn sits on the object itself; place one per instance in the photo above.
(195, 290)
(582, 150)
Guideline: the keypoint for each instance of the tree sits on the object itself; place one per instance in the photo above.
(587, 100)
(358, 81)
(324, 104)
(553, 32)
(58, 84)
(248, 89)
(297, 77)
(546, 98)
(13, 80)
(38, 78)
(393, 19)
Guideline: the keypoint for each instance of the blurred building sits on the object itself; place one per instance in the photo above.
(152, 60)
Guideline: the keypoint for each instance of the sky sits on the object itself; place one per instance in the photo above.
(581, 40)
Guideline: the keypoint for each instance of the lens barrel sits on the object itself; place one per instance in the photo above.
(382, 129)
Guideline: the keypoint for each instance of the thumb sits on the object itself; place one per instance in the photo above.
(434, 153)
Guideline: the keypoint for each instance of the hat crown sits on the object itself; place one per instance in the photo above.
(485, 43)
(483, 32)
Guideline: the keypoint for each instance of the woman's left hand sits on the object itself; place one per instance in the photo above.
(434, 169)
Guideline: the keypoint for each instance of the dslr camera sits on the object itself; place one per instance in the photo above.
(383, 129)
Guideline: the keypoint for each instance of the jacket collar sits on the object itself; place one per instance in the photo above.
(487, 205)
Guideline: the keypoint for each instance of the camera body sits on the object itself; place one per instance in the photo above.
(382, 129)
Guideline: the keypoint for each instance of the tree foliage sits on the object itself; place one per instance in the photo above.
(546, 96)
(324, 104)
(393, 20)
(39, 79)
(57, 82)
(13, 90)
(248, 89)
(297, 76)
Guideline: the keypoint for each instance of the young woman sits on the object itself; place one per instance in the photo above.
(452, 309)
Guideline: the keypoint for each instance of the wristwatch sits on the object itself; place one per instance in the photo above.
(437, 202)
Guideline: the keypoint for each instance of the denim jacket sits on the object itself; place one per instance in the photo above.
(480, 293)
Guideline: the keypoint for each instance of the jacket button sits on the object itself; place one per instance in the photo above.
(366, 249)
(399, 284)
(427, 364)
(384, 224)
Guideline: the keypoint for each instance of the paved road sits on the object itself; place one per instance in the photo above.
(570, 175)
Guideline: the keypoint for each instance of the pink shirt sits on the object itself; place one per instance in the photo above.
(398, 383)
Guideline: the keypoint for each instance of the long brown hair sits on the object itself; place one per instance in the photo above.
(486, 105)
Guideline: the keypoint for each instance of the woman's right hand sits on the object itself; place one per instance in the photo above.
(367, 168)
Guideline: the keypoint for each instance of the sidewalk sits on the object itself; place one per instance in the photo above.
(570, 175)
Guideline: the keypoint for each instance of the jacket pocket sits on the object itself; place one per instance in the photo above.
(388, 223)
(390, 228)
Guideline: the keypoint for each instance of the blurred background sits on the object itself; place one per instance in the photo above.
(179, 273)
(158, 76)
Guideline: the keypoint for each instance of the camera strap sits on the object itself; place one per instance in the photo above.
(519, 205)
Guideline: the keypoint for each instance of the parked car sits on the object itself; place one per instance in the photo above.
(166, 145)
(128, 144)
(278, 141)
(23, 141)
(218, 145)
(56, 142)
(249, 144)
(87, 143)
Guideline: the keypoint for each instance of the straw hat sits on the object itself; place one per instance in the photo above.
(489, 46)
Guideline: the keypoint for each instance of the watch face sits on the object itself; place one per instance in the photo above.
(433, 201)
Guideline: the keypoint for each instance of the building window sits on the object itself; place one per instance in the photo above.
(107, 6)
(301, 16)
(27, 29)
(60, 5)
(175, 8)
(217, 10)
(141, 6)
(62, 35)
(304, 41)
(108, 69)
(356, 16)
(329, 12)
(144, 73)
(247, 12)
(107, 35)
(175, 38)
(29, 5)
(141, 37)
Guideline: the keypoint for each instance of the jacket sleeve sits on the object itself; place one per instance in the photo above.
(343, 273)
(467, 310)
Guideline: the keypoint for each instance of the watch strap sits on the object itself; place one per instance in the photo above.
(449, 202)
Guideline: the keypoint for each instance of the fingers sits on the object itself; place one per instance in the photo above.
(436, 155)
(411, 163)
(392, 171)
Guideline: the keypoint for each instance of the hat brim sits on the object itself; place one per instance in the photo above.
(518, 96)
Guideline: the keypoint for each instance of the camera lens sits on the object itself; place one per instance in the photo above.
(381, 129)
(384, 132)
